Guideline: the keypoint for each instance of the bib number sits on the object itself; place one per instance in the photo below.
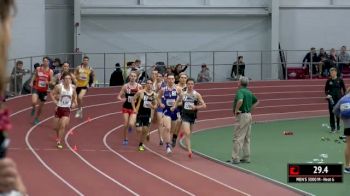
(65, 100)
(83, 77)
(146, 104)
(42, 83)
(130, 99)
(170, 102)
(188, 105)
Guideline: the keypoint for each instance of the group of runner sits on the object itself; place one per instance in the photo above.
(68, 90)
(171, 107)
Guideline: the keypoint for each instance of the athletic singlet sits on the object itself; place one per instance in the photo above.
(65, 100)
(188, 100)
(129, 95)
(83, 76)
(41, 79)
(145, 103)
(184, 89)
(170, 96)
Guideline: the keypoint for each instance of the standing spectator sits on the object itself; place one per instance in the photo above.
(343, 59)
(239, 66)
(245, 101)
(203, 75)
(311, 58)
(177, 70)
(17, 78)
(334, 89)
(117, 76)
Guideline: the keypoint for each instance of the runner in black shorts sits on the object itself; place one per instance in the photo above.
(145, 102)
(182, 87)
(192, 101)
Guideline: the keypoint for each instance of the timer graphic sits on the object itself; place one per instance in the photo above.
(315, 173)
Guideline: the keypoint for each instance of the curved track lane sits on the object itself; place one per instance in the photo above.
(101, 165)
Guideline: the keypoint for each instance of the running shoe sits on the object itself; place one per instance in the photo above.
(36, 121)
(59, 145)
(77, 113)
(168, 150)
(141, 149)
(161, 143)
(347, 170)
(190, 155)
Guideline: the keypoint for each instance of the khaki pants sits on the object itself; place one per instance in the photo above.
(241, 137)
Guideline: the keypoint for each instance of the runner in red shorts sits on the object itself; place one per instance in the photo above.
(65, 97)
(128, 91)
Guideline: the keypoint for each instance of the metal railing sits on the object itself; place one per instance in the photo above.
(259, 64)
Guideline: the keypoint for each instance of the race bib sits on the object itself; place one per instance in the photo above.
(83, 76)
(188, 105)
(170, 102)
(130, 99)
(65, 101)
(42, 83)
(146, 104)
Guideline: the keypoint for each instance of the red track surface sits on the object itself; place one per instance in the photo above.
(102, 166)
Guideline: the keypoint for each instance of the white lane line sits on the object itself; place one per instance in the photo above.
(240, 168)
(25, 109)
(198, 173)
(42, 161)
(137, 166)
(214, 119)
(88, 163)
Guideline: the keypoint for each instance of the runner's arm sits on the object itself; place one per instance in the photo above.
(202, 104)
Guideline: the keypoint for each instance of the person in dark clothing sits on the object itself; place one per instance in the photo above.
(241, 67)
(334, 89)
(177, 70)
(311, 58)
(116, 77)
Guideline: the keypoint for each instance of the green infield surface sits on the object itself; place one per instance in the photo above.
(272, 150)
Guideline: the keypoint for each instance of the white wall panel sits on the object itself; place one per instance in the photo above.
(59, 26)
(304, 2)
(170, 33)
(240, 3)
(304, 28)
(28, 30)
(92, 3)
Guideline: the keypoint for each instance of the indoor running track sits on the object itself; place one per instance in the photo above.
(94, 161)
